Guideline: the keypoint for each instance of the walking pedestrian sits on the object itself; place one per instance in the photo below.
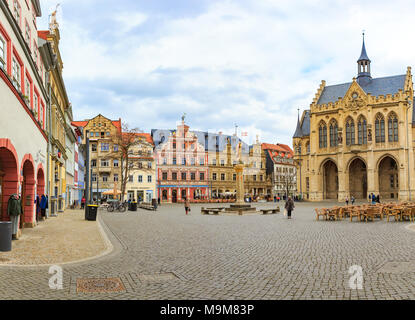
(347, 200)
(373, 198)
(83, 200)
(186, 205)
(378, 199)
(289, 206)
(352, 199)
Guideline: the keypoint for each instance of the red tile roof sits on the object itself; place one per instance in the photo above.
(79, 123)
(43, 34)
(116, 123)
(278, 149)
(147, 136)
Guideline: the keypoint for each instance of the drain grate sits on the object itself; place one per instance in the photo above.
(397, 267)
(99, 285)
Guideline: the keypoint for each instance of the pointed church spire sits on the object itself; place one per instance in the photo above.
(298, 132)
(363, 65)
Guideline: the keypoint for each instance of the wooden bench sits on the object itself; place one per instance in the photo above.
(272, 211)
(215, 211)
(220, 208)
(147, 207)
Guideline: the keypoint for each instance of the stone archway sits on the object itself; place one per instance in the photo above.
(8, 175)
(28, 190)
(358, 179)
(330, 180)
(388, 178)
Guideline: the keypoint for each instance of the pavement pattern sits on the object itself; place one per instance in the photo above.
(62, 239)
(168, 255)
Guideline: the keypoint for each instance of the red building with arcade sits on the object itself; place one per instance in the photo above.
(23, 102)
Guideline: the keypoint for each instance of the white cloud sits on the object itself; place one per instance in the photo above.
(250, 62)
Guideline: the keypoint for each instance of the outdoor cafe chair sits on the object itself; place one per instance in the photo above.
(321, 212)
(332, 213)
(355, 213)
(407, 212)
(369, 213)
(393, 212)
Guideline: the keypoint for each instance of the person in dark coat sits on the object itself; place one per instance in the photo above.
(37, 201)
(289, 206)
(43, 205)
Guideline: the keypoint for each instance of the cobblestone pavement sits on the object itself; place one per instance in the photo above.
(168, 255)
(65, 238)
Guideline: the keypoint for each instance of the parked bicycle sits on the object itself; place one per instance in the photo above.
(117, 206)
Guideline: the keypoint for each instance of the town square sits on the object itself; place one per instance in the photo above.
(177, 156)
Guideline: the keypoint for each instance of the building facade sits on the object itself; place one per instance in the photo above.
(282, 169)
(57, 116)
(141, 183)
(222, 154)
(23, 101)
(357, 138)
(79, 170)
(104, 162)
(182, 165)
(258, 183)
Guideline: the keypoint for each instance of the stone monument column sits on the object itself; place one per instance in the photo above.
(240, 190)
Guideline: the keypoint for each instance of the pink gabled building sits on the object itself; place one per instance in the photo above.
(182, 165)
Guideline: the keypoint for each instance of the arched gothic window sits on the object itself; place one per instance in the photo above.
(362, 130)
(380, 128)
(322, 134)
(392, 127)
(333, 133)
(350, 132)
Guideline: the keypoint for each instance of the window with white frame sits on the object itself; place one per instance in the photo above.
(105, 178)
(27, 90)
(41, 114)
(3, 52)
(140, 178)
(105, 163)
(16, 11)
(149, 165)
(115, 162)
(149, 178)
(115, 177)
(35, 56)
(27, 34)
(16, 74)
(35, 103)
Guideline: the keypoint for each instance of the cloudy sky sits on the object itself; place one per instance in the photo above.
(249, 62)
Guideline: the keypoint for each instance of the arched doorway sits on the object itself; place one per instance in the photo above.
(183, 195)
(358, 179)
(388, 178)
(164, 195)
(40, 186)
(8, 175)
(40, 190)
(174, 195)
(28, 191)
(330, 180)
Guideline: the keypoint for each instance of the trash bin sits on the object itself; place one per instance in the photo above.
(154, 203)
(134, 206)
(91, 214)
(5, 236)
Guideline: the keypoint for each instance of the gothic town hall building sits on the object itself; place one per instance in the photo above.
(358, 138)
